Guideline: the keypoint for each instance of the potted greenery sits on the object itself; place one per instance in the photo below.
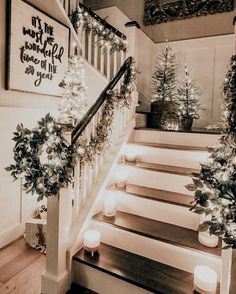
(163, 102)
(188, 102)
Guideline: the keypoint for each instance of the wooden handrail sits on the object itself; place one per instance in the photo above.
(78, 130)
(103, 22)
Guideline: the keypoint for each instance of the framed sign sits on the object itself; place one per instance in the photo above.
(37, 51)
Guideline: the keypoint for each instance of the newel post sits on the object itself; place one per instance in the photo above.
(228, 271)
(55, 279)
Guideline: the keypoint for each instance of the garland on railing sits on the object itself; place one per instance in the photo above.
(43, 158)
(106, 38)
(100, 141)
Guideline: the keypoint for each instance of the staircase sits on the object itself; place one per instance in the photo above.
(151, 245)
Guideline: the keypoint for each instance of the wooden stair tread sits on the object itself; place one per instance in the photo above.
(156, 194)
(143, 272)
(158, 230)
(172, 169)
(172, 146)
(192, 131)
(77, 289)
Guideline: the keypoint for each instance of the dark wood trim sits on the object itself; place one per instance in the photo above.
(170, 169)
(133, 23)
(160, 195)
(174, 147)
(103, 22)
(78, 130)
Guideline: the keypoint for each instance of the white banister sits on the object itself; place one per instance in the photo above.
(90, 47)
(102, 62)
(55, 278)
(95, 48)
(108, 51)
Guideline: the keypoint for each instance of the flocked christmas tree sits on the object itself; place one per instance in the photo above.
(74, 103)
(164, 76)
(215, 186)
(188, 96)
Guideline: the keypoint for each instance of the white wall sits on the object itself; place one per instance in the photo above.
(140, 46)
(19, 107)
(207, 57)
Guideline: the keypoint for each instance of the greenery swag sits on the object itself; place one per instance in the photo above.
(215, 186)
(100, 141)
(106, 39)
(43, 158)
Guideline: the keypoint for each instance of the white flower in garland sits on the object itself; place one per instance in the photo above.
(74, 103)
(45, 166)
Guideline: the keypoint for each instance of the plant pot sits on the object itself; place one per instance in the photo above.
(186, 123)
(158, 109)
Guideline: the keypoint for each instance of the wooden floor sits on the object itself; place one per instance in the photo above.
(20, 269)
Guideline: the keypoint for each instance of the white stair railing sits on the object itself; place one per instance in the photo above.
(68, 211)
(104, 47)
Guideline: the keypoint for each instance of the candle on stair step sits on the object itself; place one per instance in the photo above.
(130, 156)
(91, 241)
(109, 206)
(205, 280)
(208, 240)
(121, 176)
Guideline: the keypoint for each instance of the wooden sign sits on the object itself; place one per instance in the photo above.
(37, 53)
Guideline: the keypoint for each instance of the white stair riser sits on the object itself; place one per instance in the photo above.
(169, 213)
(156, 180)
(181, 158)
(176, 256)
(175, 138)
(101, 282)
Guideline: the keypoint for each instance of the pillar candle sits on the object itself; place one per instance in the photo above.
(109, 206)
(205, 279)
(208, 240)
(91, 241)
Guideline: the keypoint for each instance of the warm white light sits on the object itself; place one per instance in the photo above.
(130, 156)
(91, 240)
(208, 240)
(121, 176)
(109, 206)
(205, 279)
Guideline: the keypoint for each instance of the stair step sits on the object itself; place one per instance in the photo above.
(140, 271)
(158, 210)
(156, 194)
(77, 289)
(179, 170)
(175, 140)
(157, 230)
(173, 147)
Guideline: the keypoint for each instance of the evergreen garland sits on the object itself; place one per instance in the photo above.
(164, 76)
(215, 186)
(187, 96)
(42, 157)
(106, 39)
(100, 141)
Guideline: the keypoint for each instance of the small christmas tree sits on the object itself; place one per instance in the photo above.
(164, 76)
(215, 188)
(163, 106)
(187, 95)
(74, 103)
